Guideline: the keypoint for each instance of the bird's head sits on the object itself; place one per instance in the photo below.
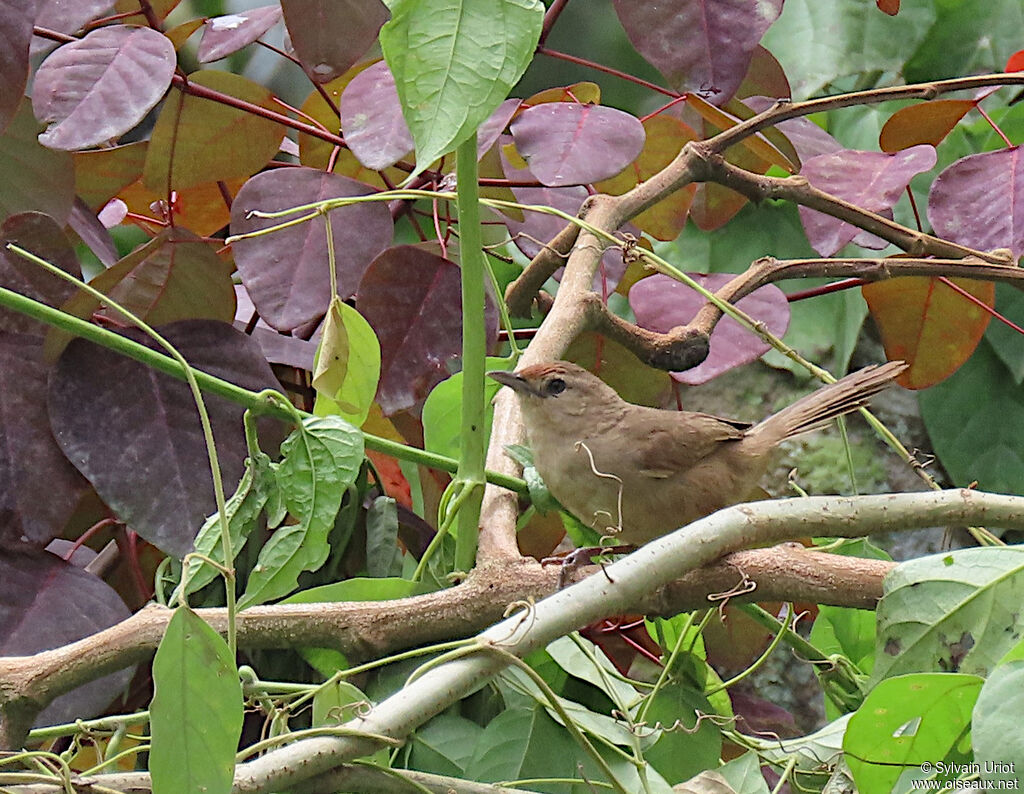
(557, 389)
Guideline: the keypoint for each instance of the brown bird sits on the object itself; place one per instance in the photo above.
(638, 473)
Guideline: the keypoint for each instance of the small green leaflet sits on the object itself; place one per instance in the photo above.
(243, 511)
(196, 713)
(347, 365)
(320, 461)
(454, 61)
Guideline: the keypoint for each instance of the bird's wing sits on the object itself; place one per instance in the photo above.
(668, 449)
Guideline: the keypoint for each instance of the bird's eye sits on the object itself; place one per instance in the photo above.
(555, 386)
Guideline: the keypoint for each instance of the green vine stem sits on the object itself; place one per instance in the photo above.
(211, 384)
(473, 436)
(204, 419)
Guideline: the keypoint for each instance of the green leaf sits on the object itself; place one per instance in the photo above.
(540, 496)
(196, 713)
(320, 460)
(955, 612)
(444, 745)
(442, 411)
(975, 419)
(744, 774)
(346, 368)
(383, 557)
(850, 632)
(681, 752)
(243, 510)
(523, 743)
(454, 61)
(995, 726)
(594, 668)
(908, 721)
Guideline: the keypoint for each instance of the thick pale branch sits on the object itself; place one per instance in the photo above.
(375, 629)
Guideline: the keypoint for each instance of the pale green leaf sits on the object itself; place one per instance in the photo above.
(347, 365)
(454, 62)
(196, 713)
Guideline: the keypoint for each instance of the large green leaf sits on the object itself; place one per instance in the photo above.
(196, 714)
(454, 61)
(975, 419)
(320, 460)
(954, 612)
(995, 725)
(910, 723)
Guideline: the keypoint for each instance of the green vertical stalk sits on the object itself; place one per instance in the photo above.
(474, 351)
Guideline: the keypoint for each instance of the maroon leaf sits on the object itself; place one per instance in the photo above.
(979, 201)
(371, 118)
(96, 89)
(662, 303)
(286, 272)
(46, 603)
(65, 17)
(538, 228)
(135, 434)
(413, 300)
(225, 35)
(566, 143)
(34, 178)
(699, 45)
(41, 235)
(329, 36)
(872, 180)
(16, 18)
(39, 489)
(495, 125)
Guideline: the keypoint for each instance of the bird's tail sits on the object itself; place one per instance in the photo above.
(820, 407)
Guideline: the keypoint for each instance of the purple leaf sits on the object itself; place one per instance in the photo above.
(703, 46)
(95, 89)
(662, 303)
(979, 201)
(872, 180)
(16, 17)
(329, 36)
(46, 603)
(65, 17)
(34, 178)
(412, 299)
(39, 489)
(286, 272)
(571, 144)
(371, 118)
(495, 125)
(41, 235)
(538, 228)
(225, 35)
(135, 434)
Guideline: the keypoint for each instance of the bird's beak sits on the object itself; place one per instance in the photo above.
(513, 380)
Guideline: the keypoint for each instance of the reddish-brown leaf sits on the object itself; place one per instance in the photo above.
(929, 325)
(665, 138)
(198, 140)
(16, 18)
(35, 179)
(925, 122)
(890, 7)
